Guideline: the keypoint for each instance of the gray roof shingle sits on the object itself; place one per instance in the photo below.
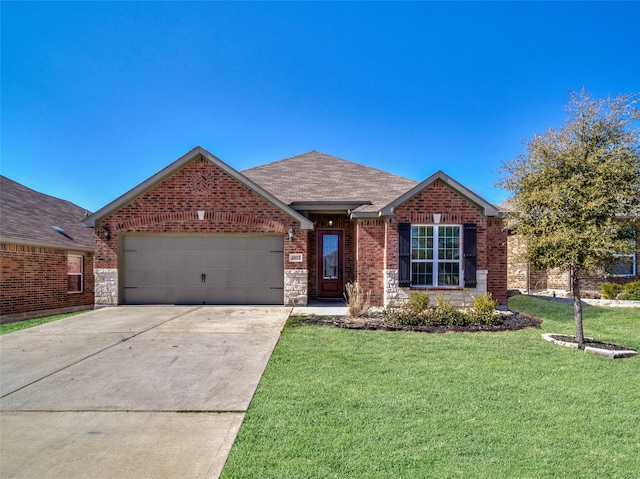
(316, 177)
(30, 216)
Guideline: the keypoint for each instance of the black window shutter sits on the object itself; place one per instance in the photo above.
(470, 243)
(404, 254)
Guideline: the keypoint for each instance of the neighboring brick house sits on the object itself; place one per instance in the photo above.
(46, 254)
(200, 232)
(521, 276)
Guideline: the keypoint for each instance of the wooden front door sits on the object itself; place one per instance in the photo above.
(330, 267)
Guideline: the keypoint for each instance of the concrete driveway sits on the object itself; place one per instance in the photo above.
(131, 392)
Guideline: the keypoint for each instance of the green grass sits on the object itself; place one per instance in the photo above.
(30, 323)
(337, 403)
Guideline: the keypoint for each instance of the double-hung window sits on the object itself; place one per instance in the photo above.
(624, 266)
(435, 255)
(74, 273)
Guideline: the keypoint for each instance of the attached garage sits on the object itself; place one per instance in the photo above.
(202, 269)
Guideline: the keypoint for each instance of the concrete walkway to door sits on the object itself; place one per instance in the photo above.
(132, 391)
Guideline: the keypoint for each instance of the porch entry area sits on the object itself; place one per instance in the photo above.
(330, 264)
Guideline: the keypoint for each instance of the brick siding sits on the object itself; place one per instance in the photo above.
(371, 241)
(172, 205)
(438, 198)
(34, 281)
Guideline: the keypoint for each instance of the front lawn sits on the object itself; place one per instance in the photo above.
(348, 403)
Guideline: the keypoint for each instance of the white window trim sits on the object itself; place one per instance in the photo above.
(81, 273)
(633, 265)
(435, 259)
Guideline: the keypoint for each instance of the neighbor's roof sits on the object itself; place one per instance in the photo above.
(318, 178)
(28, 217)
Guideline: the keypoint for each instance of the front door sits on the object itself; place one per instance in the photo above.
(330, 274)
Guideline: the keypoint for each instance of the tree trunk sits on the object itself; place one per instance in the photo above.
(577, 307)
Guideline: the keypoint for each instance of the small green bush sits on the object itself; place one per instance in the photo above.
(610, 290)
(484, 310)
(417, 312)
(418, 302)
(631, 291)
(405, 317)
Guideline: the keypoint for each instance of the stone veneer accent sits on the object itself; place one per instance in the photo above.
(106, 286)
(461, 298)
(295, 287)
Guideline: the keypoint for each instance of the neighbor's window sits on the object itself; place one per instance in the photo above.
(74, 273)
(625, 266)
(435, 255)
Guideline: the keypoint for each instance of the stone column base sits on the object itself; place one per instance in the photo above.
(106, 286)
(296, 283)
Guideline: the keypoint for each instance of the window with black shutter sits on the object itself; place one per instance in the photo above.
(404, 254)
(470, 247)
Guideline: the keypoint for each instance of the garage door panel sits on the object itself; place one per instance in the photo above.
(203, 269)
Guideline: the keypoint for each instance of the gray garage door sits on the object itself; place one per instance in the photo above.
(203, 269)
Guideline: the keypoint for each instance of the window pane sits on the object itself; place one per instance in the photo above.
(422, 274)
(74, 283)
(74, 264)
(448, 274)
(623, 267)
(422, 242)
(449, 242)
(330, 256)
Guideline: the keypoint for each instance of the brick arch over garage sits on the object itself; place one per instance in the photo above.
(212, 222)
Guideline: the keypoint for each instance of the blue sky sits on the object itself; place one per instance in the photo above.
(97, 97)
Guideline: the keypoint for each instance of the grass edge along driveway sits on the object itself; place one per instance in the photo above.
(343, 403)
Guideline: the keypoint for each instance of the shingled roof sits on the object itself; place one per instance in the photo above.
(320, 178)
(28, 217)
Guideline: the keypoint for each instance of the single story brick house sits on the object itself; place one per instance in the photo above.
(523, 277)
(200, 232)
(46, 254)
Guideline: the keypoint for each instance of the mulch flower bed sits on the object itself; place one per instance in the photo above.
(509, 321)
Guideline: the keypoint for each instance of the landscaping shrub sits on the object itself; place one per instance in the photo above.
(418, 313)
(358, 302)
(484, 310)
(418, 302)
(610, 290)
(447, 314)
(631, 291)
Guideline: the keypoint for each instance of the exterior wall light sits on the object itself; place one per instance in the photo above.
(290, 234)
(105, 233)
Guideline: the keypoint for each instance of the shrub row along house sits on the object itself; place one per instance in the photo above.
(46, 254)
(200, 232)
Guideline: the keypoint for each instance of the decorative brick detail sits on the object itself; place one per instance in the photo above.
(171, 207)
(295, 287)
(106, 286)
(34, 281)
(438, 198)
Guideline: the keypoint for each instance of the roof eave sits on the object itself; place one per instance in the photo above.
(487, 208)
(166, 172)
(45, 244)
